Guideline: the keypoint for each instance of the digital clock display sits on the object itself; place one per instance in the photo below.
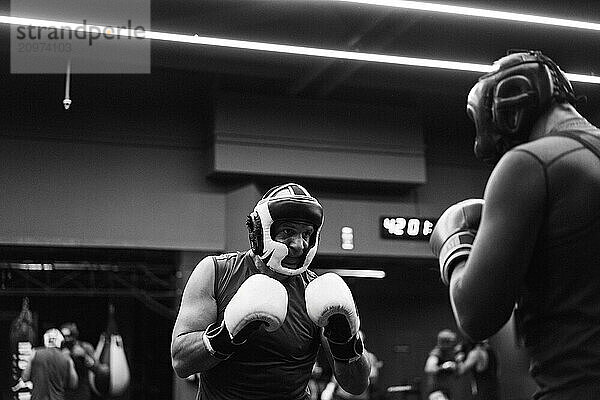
(406, 228)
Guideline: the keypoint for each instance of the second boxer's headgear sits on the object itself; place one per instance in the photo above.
(53, 338)
(446, 338)
(505, 103)
(289, 202)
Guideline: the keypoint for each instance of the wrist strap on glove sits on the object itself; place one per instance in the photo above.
(349, 351)
(457, 248)
(217, 341)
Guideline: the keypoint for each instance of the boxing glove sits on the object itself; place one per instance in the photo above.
(330, 305)
(453, 235)
(259, 301)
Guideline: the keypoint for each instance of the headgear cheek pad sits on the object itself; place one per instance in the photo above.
(505, 103)
(289, 202)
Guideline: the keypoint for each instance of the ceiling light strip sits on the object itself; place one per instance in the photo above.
(319, 52)
(353, 273)
(279, 48)
(478, 12)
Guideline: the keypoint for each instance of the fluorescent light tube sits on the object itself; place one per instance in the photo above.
(353, 273)
(280, 48)
(478, 12)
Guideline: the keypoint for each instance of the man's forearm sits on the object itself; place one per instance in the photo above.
(189, 355)
(94, 364)
(475, 322)
(458, 298)
(353, 377)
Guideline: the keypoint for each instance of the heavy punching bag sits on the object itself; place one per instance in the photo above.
(22, 339)
(114, 380)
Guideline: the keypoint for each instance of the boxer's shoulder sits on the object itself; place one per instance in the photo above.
(549, 148)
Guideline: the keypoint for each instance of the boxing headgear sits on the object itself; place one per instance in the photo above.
(505, 103)
(289, 202)
(53, 338)
(446, 338)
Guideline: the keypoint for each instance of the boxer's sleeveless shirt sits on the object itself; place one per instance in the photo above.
(559, 313)
(275, 365)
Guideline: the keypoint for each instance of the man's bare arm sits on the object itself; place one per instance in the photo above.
(483, 290)
(198, 310)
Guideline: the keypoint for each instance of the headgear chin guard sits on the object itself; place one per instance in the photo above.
(505, 103)
(288, 202)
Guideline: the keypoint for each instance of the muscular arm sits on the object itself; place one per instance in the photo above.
(470, 361)
(73, 378)
(352, 377)
(91, 362)
(431, 365)
(198, 310)
(484, 290)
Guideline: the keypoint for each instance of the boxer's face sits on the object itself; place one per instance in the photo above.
(69, 338)
(296, 236)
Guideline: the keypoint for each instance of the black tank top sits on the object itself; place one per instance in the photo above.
(274, 365)
(49, 374)
(558, 314)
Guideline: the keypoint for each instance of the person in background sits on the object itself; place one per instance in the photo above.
(251, 322)
(334, 391)
(482, 363)
(441, 366)
(533, 240)
(82, 354)
(50, 370)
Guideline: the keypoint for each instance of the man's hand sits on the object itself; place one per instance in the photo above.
(78, 351)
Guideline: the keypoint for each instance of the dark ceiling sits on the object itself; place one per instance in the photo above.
(364, 28)
(372, 29)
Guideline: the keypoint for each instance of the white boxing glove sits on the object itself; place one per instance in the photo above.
(260, 300)
(330, 304)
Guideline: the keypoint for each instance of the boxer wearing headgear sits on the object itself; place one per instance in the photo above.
(482, 366)
(251, 323)
(84, 359)
(505, 103)
(532, 242)
(290, 202)
(440, 366)
(49, 369)
(53, 338)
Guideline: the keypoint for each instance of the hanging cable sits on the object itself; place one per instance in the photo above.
(67, 100)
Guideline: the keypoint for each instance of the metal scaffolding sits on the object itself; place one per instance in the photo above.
(154, 287)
